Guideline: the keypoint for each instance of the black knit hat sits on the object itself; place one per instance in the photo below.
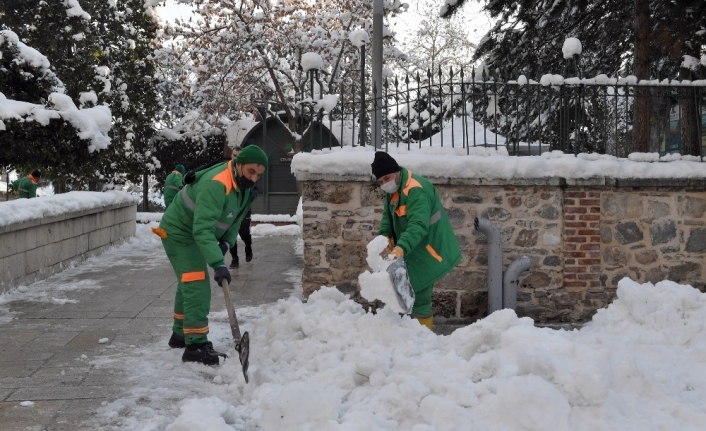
(384, 164)
(36, 174)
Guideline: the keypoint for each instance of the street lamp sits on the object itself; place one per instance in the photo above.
(377, 73)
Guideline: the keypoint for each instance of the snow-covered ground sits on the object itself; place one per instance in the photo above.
(327, 365)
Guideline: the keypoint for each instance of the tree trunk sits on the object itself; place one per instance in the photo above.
(641, 68)
(145, 194)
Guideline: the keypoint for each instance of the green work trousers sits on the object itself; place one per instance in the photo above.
(422, 301)
(193, 294)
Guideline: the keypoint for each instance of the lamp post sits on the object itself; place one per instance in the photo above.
(377, 73)
(362, 96)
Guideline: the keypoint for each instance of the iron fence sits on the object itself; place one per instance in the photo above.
(614, 116)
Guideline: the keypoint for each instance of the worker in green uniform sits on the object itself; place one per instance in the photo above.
(26, 187)
(173, 183)
(197, 230)
(418, 229)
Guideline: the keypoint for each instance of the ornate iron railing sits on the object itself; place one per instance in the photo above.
(614, 116)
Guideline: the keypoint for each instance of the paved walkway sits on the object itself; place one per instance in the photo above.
(47, 343)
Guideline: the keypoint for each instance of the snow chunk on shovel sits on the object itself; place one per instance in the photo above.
(389, 281)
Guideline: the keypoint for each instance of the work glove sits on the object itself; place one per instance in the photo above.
(224, 246)
(221, 273)
(397, 253)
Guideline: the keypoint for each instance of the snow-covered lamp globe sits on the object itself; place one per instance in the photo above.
(311, 64)
(572, 54)
(312, 61)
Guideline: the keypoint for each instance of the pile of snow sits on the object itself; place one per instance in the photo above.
(328, 365)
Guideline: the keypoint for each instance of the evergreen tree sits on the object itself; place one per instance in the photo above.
(646, 38)
(43, 128)
(102, 52)
(123, 35)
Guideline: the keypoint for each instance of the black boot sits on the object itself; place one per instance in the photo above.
(234, 262)
(203, 353)
(176, 342)
(248, 252)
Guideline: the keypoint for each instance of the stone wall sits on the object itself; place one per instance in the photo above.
(582, 237)
(34, 250)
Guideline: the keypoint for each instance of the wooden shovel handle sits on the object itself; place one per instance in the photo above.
(234, 328)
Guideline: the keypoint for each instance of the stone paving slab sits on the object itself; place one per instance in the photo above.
(16, 417)
(19, 369)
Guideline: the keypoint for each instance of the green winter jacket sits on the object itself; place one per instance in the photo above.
(26, 187)
(172, 185)
(204, 212)
(422, 229)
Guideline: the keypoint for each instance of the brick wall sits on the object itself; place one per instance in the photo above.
(582, 240)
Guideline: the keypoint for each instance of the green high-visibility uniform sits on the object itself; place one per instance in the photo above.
(423, 231)
(172, 185)
(202, 214)
(26, 187)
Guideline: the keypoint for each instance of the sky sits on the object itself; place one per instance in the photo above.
(326, 365)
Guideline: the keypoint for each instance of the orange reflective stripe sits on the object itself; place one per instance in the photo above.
(411, 183)
(193, 276)
(401, 211)
(433, 252)
(393, 199)
(178, 316)
(203, 330)
(226, 178)
(160, 232)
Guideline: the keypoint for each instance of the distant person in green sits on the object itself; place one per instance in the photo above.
(26, 187)
(173, 183)
(418, 230)
(196, 231)
(244, 230)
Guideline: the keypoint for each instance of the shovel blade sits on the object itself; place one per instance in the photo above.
(400, 281)
(243, 349)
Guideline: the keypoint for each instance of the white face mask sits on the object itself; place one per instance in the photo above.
(390, 186)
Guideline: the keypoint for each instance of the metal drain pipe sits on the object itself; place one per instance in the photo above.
(511, 279)
(495, 263)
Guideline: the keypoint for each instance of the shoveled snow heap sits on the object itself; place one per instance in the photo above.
(327, 365)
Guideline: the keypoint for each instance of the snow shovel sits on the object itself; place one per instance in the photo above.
(242, 344)
(400, 281)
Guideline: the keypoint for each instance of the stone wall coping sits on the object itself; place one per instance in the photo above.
(696, 184)
(64, 216)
